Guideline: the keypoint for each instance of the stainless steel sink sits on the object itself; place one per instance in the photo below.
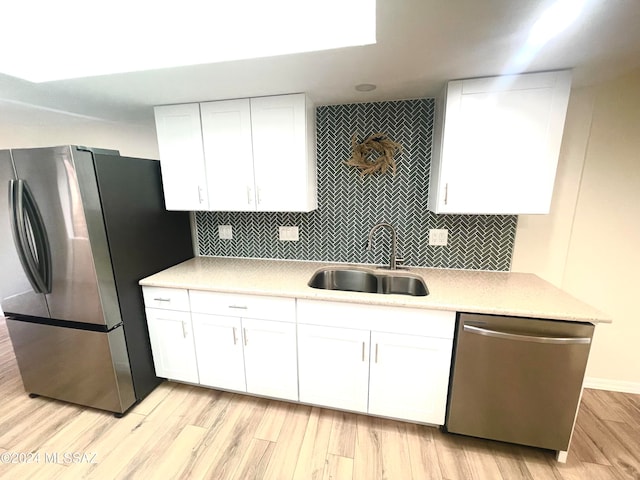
(368, 281)
(347, 280)
(403, 285)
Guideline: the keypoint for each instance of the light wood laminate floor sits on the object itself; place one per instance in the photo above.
(188, 432)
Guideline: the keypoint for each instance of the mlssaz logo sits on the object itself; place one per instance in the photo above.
(70, 457)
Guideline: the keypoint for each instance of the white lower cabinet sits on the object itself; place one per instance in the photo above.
(246, 343)
(219, 351)
(270, 358)
(409, 377)
(247, 355)
(386, 361)
(174, 354)
(386, 374)
(334, 366)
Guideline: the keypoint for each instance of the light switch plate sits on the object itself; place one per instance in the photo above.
(288, 234)
(438, 236)
(225, 232)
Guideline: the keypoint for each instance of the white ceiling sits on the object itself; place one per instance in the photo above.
(420, 45)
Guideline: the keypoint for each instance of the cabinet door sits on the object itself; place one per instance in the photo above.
(181, 157)
(280, 156)
(501, 143)
(172, 344)
(219, 351)
(270, 358)
(226, 135)
(409, 377)
(333, 366)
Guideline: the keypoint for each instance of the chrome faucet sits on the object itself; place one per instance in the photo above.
(393, 261)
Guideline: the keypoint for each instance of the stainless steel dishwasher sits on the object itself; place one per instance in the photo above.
(517, 380)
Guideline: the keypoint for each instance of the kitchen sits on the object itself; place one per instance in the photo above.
(560, 247)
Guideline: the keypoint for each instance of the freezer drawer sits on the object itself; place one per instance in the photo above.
(517, 380)
(79, 366)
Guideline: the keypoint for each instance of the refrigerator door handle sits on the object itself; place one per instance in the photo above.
(17, 225)
(30, 236)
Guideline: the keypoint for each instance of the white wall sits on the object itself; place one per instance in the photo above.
(23, 128)
(589, 244)
(542, 241)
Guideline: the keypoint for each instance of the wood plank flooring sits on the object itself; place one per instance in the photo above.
(188, 432)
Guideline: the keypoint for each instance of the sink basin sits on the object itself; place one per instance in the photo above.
(346, 280)
(404, 285)
(367, 281)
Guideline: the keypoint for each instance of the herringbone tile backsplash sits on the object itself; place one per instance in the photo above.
(349, 205)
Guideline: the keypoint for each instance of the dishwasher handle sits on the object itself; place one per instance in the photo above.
(526, 338)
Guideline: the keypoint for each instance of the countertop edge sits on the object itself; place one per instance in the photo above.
(197, 269)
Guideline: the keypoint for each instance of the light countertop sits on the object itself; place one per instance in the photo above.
(501, 293)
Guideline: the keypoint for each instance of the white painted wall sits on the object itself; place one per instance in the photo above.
(589, 244)
(32, 127)
(542, 240)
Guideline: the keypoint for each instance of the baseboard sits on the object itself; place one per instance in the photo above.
(612, 385)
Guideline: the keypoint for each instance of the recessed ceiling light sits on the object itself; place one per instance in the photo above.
(366, 87)
(61, 44)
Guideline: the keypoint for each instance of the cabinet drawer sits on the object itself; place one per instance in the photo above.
(246, 306)
(403, 320)
(166, 298)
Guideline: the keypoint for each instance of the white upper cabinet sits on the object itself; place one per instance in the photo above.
(182, 158)
(284, 153)
(496, 144)
(259, 155)
(226, 135)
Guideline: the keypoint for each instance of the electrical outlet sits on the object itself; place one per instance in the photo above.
(288, 234)
(225, 232)
(438, 236)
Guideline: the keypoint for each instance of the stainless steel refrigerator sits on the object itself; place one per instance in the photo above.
(86, 226)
